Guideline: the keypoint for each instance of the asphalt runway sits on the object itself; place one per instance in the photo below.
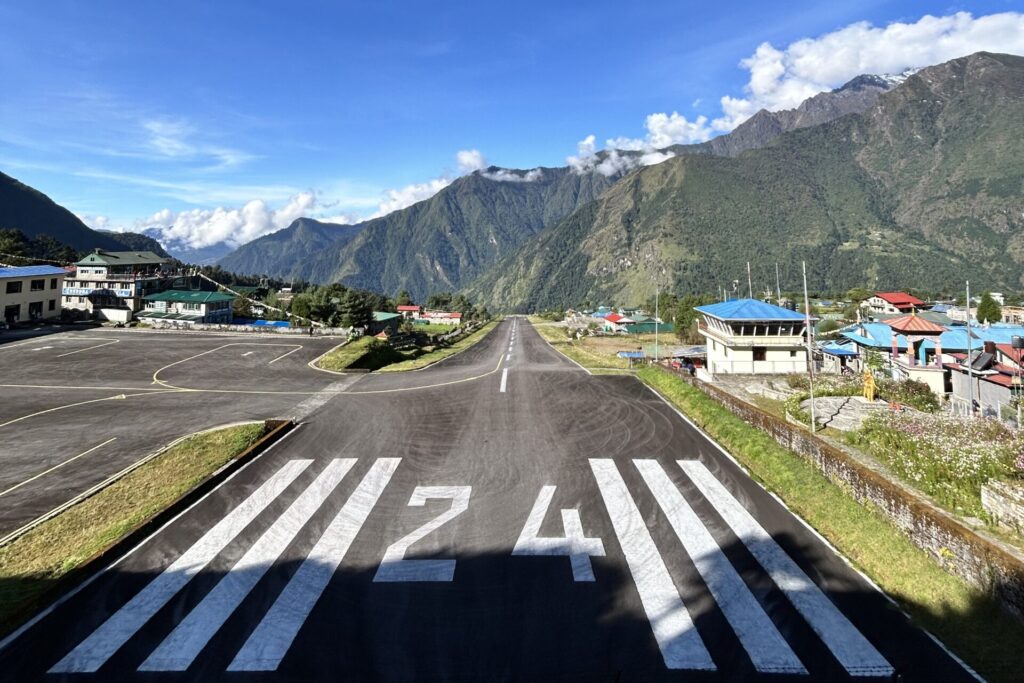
(503, 515)
(82, 405)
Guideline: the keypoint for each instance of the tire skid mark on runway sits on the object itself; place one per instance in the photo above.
(99, 646)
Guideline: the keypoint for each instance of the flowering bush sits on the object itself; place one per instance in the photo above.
(947, 457)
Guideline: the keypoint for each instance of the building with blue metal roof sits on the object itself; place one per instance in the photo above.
(747, 336)
(29, 293)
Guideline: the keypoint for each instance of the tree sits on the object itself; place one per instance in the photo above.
(828, 326)
(355, 309)
(301, 305)
(440, 301)
(859, 294)
(686, 316)
(241, 308)
(989, 310)
(403, 298)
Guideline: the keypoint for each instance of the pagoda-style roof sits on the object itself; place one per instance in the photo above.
(914, 324)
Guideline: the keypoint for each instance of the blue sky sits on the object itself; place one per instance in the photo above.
(146, 113)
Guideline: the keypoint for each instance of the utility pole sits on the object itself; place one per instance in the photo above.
(657, 292)
(810, 348)
(750, 283)
(778, 287)
(970, 362)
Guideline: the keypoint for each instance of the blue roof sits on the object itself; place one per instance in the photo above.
(748, 309)
(834, 348)
(630, 354)
(31, 271)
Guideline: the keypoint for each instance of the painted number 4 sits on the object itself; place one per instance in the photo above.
(574, 544)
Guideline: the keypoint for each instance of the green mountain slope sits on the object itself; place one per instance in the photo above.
(438, 244)
(33, 213)
(925, 189)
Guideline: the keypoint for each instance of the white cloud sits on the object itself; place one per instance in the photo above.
(504, 175)
(470, 160)
(176, 139)
(410, 194)
(198, 228)
(782, 78)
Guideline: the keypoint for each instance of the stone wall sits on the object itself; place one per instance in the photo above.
(1005, 502)
(959, 549)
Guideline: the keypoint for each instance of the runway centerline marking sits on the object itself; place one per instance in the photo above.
(757, 634)
(102, 643)
(190, 636)
(858, 656)
(504, 379)
(268, 644)
(56, 467)
(680, 644)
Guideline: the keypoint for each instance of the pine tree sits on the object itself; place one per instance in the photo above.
(989, 310)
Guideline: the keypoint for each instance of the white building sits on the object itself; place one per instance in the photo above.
(746, 336)
(30, 293)
(111, 284)
(893, 303)
(187, 307)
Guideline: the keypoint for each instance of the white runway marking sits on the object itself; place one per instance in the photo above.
(269, 643)
(850, 647)
(680, 644)
(283, 355)
(56, 467)
(508, 357)
(575, 545)
(41, 348)
(247, 353)
(767, 648)
(504, 379)
(71, 353)
(395, 568)
(92, 652)
(182, 646)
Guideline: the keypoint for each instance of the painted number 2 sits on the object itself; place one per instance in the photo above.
(394, 566)
(578, 547)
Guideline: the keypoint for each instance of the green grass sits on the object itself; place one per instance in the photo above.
(443, 352)
(966, 619)
(590, 359)
(432, 328)
(32, 563)
(364, 353)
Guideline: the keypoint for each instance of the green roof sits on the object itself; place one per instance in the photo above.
(121, 258)
(381, 316)
(168, 316)
(195, 297)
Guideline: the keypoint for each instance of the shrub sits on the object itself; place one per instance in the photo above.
(947, 457)
(909, 392)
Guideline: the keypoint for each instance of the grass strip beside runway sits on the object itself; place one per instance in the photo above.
(440, 354)
(576, 350)
(966, 619)
(31, 564)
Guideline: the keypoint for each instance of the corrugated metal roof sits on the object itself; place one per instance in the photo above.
(381, 316)
(189, 296)
(31, 271)
(749, 309)
(122, 258)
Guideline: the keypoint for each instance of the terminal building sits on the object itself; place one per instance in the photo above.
(111, 285)
(186, 307)
(30, 293)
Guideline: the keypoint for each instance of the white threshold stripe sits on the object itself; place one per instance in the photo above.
(850, 647)
(680, 644)
(190, 636)
(102, 643)
(269, 643)
(504, 379)
(768, 650)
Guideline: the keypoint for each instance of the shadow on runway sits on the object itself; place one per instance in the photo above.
(501, 618)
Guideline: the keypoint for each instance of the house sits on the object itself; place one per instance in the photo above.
(615, 322)
(441, 317)
(30, 293)
(753, 337)
(111, 285)
(915, 363)
(840, 356)
(1013, 315)
(410, 312)
(386, 323)
(187, 307)
(893, 302)
(986, 379)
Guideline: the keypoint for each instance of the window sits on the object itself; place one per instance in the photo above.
(38, 285)
(14, 287)
(53, 305)
(760, 353)
(35, 310)
(12, 313)
(53, 283)
(792, 353)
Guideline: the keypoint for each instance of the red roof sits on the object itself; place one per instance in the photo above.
(899, 298)
(409, 308)
(614, 317)
(1010, 352)
(913, 324)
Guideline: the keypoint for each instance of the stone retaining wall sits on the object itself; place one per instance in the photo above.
(959, 549)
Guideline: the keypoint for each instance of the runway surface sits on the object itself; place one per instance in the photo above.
(501, 516)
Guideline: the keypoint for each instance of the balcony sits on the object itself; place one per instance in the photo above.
(742, 341)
